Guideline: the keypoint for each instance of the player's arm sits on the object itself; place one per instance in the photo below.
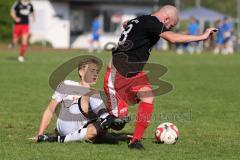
(14, 16)
(47, 116)
(33, 13)
(33, 16)
(184, 38)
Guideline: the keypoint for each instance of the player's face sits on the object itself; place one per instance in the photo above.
(170, 23)
(25, 2)
(90, 73)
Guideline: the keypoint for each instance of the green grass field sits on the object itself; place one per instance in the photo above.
(204, 105)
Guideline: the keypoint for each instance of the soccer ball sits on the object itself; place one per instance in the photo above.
(167, 133)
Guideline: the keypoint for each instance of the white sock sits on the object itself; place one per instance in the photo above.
(79, 135)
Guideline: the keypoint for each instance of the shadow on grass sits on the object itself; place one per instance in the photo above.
(113, 138)
(11, 58)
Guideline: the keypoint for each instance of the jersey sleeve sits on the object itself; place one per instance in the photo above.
(14, 6)
(31, 9)
(57, 96)
(153, 25)
(59, 93)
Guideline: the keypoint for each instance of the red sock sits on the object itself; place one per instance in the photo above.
(23, 49)
(144, 115)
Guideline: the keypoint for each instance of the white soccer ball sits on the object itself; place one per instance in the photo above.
(167, 133)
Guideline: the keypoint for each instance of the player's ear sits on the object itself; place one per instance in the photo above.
(81, 72)
(166, 20)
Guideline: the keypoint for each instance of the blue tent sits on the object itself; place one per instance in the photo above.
(202, 14)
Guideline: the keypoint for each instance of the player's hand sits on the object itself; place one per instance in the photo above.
(209, 32)
(17, 20)
(106, 123)
(42, 138)
(125, 24)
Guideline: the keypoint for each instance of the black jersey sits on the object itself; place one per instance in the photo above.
(135, 44)
(22, 11)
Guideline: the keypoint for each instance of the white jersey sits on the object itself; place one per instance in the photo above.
(70, 115)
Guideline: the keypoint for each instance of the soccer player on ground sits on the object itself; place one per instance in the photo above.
(20, 12)
(125, 81)
(80, 117)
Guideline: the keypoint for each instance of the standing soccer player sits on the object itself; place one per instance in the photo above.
(20, 12)
(96, 34)
(125, 81)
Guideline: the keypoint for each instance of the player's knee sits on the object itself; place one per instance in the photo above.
(91, 132)
(25, 39)
(146, 95)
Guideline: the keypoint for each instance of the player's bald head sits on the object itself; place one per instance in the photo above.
(170, 11)
(168, 15)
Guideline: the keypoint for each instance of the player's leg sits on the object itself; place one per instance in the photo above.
(141, 91)
(16, 34)
(91, 43)
(115, 102)
(95, 104)
(98, 43)
(143, 116)
(25, 35)
(86, 134)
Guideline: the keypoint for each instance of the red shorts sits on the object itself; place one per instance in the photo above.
(122, 91)
(20, 29)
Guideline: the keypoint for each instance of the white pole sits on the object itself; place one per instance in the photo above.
(177, 3)
(198, 3)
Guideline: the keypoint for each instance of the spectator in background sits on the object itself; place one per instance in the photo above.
(96, 31)
(219, 39)
(193, 29)
(227, 34)
(20, 12)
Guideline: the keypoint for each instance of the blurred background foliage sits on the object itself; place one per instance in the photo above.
(229, 7)
(5, 20)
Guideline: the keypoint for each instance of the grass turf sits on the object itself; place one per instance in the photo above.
(204, 105)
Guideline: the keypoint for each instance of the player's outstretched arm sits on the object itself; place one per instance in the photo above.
(184, 38)
(47, 116)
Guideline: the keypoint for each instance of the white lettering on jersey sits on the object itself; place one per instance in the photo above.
(125, 34)
(25, 12)
(135, 21)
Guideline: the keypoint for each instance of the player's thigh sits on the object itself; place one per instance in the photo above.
(66, 127)
(116, 96)
(142, 88)
(16, 35)
(93, 130)
(25, 33)
(25, 38)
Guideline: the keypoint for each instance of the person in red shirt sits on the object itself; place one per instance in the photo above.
(20, 12)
